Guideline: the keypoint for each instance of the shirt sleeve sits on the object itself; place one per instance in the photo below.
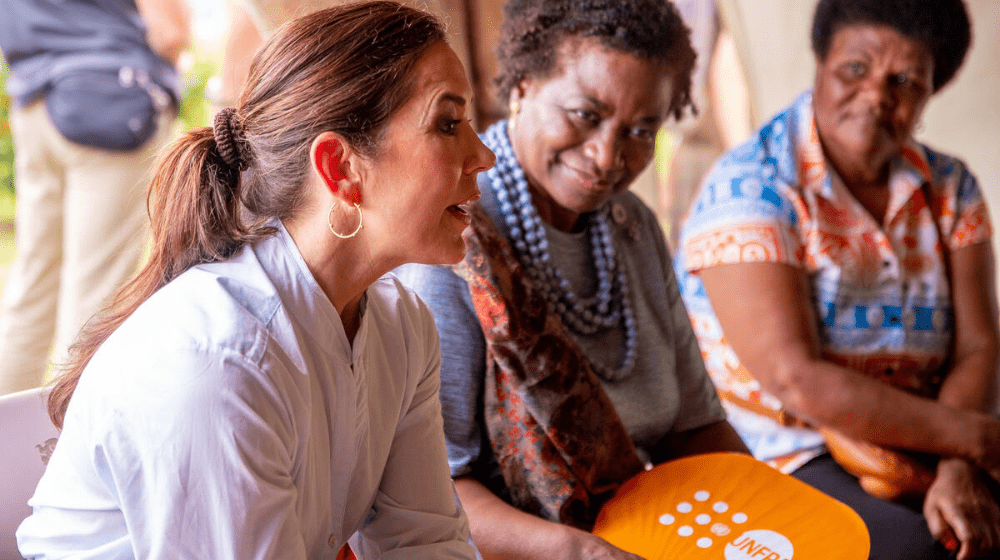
(416, 514)
(191, 446)
(463, 359)
(699, 401)
(972, 218)
(741, 214)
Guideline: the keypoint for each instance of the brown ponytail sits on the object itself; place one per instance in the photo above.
(344, 69)
(194, 214)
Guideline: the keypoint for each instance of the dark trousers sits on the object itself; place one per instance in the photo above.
(897, 532)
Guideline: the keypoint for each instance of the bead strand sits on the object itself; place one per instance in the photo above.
(585, 316)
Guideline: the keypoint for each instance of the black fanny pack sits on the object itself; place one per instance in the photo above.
(108, 109)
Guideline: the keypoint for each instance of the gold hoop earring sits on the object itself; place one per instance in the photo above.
(361, 222)
(514, 109)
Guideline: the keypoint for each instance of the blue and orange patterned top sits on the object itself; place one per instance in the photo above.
(880, 291)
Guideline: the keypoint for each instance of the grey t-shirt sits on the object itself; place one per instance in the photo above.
(667, 391)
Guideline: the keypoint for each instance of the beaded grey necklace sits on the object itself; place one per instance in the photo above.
(584, 316)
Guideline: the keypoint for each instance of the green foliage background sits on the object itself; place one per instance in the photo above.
(6, 150)
(196, 110)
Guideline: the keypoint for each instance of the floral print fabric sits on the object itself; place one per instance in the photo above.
(880, 292)
(561, 447)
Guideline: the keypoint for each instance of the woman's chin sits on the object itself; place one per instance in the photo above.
(870, 145)
(458, 253)
(447, 252)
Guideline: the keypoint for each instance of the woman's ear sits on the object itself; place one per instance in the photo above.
(514, 104)
(329, 156)
(514, 99)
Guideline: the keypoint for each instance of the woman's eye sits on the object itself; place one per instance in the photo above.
(910, 84)
(643, 133)
(855, 68)
(587, 116)
(450, 126)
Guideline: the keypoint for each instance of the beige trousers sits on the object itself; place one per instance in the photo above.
(80, 229)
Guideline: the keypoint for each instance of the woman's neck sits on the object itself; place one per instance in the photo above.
(552, 213)
(350, 318)
(873, 197)
(862, 175)
(343, 268)
(867, 180)
(548, 210)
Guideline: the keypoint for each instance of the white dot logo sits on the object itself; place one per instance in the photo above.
(685, 531)
(720, 507)
(739, 518)
(666, 519)
(760, 544)
(704, 542)
(684, 507)
(720, 529)
(702, 495)
(703, 519)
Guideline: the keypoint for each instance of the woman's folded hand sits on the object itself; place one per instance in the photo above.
(961, 511)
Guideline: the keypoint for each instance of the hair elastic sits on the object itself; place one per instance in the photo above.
(229, 140)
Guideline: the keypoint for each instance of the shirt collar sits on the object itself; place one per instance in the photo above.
(301, 295)
(809, 160)
(907, 172)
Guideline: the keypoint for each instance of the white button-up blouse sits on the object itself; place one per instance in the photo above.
(230, 417)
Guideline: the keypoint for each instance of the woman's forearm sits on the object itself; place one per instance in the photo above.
(864, 408)
(168, 27)
(972, 384)
(502, 531)
(972, 379)
(772, 328)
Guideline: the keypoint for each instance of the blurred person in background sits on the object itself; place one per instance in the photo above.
(840, 279)
(95, 93)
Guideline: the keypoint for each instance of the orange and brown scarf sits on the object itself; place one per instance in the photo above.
(560, 444)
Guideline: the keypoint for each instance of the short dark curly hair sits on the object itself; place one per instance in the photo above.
(943, 26)
(533, 30)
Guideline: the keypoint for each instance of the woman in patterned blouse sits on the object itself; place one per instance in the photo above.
(839, 276)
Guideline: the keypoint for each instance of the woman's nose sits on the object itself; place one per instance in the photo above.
(878, 91)
(481, 159)
(604, 149)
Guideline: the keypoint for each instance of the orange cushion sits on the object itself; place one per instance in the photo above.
(729, 506)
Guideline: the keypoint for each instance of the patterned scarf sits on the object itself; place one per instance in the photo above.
(560, 444)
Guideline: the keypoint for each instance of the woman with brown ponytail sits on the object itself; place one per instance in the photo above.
(262, 389)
